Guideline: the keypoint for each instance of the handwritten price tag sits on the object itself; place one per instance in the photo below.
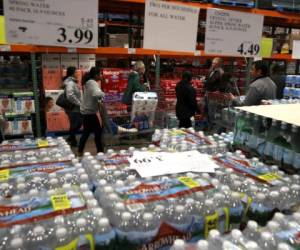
(189, 182)
(4, 175)
(60, 202)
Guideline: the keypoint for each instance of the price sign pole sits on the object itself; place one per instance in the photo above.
(68, 23)
(233, 33)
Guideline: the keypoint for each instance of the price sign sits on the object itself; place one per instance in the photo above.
(233, 33)
(68, 23)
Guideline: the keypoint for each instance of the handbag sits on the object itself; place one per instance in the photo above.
(63, 102)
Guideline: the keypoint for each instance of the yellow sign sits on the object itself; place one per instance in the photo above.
(211, 222)
(4, 175)
(2, 30)
(266, 47)
(189, 182)
(269, 177)
(177, 132)
(60, 202)
(87, 241)
(42, 143)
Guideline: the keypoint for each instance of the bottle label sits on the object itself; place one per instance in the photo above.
(4, 175)
(42, 143)
(39, 208)
(105, 239)
(211, 222)
(161, 190)
(60, 202)
(24, 146)
(258, 174)
(31, 170)
(82, 242)
(189, 182)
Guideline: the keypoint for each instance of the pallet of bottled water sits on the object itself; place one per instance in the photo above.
(188, 139)
(33, 178)
(30, 144)
(29, 152)
(148, 212)
(273, 140)
(66, 218)
(281, 233)
(292, 88)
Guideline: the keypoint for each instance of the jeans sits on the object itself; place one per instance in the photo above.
(91, 124)
(75, 121)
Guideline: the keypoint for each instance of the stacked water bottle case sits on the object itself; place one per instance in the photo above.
(51, 201)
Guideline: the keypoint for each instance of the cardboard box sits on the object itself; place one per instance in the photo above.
(118, 40)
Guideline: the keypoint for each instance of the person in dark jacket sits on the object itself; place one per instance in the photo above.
(278, 77)
(261, 88)
(186, 105)
(213, 81)
(73, 96)
(135, 82)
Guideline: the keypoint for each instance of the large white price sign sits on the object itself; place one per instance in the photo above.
(233, 33)
(67, 23)
(170, 26)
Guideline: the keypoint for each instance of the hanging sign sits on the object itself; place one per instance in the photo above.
(170, 26)
(233, 33)
(68, 23)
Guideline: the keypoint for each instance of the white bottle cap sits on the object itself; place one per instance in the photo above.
(273, 225)
(260, 196)
(21, 186)
(59, 220)
(295, 187)
(84, 187)
(67, 186)
(120, 206)
(252, 225)
(266, 236)
(78, 165)
(120, 183)
(126, 216)
(251, 245)
(209, 203)
(86, 154)
(179, 209)
(235, 195)
(179, 244)
(52, 175)
(279, 217)
(38, 230)
(51, 192)
(20, 179)
(33, 192)
(213, 234)
(88, 195)
(236, 234)
(274, 194)
(148, 216)
(131, 178)
(61, 232)
(98, 212)
(283, 246)
(117, 173)
(84, 178)
(94, 162)
(103, 222)
(53, 181)
(102, 182)
(68, 176)
(15, 198)
(202, 245)
(159, 208)
(97, 167)
(16, 243)
(108, 189)
(75, 161)
(81, 222)
(80, 171)
(92, 203)
(227, 245)
(296, 216)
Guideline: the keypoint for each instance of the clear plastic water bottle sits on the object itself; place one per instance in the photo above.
(258, 211)
(202, 245)
(251, 231)
(36, 237)
(284, 246)
(62, 237)
(267, 241)
(104, 235)
(236, 210)
(178, 244)
(215, 240)
(17, 243)
(252, 245)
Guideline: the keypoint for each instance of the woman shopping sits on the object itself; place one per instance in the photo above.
(89, 108)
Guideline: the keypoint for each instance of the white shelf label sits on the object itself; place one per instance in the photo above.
(5, 48)
(68, 23)
(233, 33)
(170, 26)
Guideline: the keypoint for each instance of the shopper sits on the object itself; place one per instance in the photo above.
(261, 88)
(278, 77)
(135, 83)
(89, 109)
(213, 81)
(73, 95)
(186, 105)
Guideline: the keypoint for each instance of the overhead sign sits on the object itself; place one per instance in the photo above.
(233, 33)
(170, 26)
(68, 23)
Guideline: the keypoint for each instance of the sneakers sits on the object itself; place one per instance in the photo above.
(122, 130)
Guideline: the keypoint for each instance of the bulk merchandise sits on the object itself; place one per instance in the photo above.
(282, 233)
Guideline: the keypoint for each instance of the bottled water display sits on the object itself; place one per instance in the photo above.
(277, 235)
(273, 140)
(101, 203)
(292, 88)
